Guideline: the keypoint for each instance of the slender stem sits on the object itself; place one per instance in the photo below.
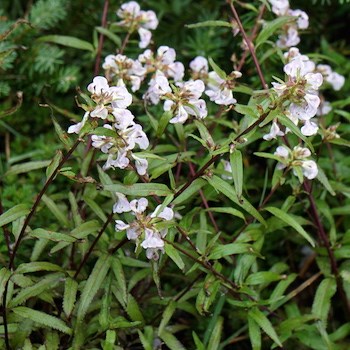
(88, 253)
(205, 202)
(252, 37)
(101, 38)
(126, 40)
(249, 43)
(6, 233)
(325, 241)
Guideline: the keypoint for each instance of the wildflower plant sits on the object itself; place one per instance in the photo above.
(192, 202)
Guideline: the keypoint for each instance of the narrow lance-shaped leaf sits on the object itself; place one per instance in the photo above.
(214, 340)
(93, 284)
(42, 318)
(27, 167)
(144, 189)
(167, 314)
(227, 190)
(13, 214)
(264, 324)
(69, 41)
(280, 214)
(237, 170)
(174, 256)
(69, 296)
(322, 301)
(254, 334)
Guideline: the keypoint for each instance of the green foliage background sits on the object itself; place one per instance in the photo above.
(139, 305)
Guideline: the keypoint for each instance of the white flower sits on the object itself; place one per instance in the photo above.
(134, 18)
(227, 168)
(306, 108)
(310, 128)
(324, 108)
(279, 7)
(121, 225)
(199, 64)
(303, 18)
(282, 151)
(185, 101)
(309, 169)
(77, 127)
(138, 206)
(166, 214)
(158, 86)
(274, 132)
(145, 36)
(288, 39)
(141, 165)
(218, 91)
(336, 80)
(122, 205)
(99, 86)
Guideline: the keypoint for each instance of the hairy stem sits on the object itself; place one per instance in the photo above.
(101, 38)
(248, 42)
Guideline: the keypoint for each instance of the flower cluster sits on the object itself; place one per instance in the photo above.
(290, 36)
(123, 134)
(296, 160)
(133, 18)
(147, 231)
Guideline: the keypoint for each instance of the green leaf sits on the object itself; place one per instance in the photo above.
(79, 232)
(118, 272)
(133, 310)
(197, 341)
(140, 189)
(227, 210)
(262, 277)
(52, 236)
(209, 24)
(247, 110)
(62, 135)
(217, 69)
(69, 296)
(5, 274)
(174, 256)
(171, 341)
(227, 190)
(163, 122)
(271, 27)
(229, 249)
(237, 171)
(322, 301)
(69, 41)
(195, 186)
(54, 164)
(55, 210)
(321, 176)
(42, 318)
(38, 266)
(93, 284)
(214, 340)
(205, 134)
(167, 314)
(254, 334)
(110, 35)
(46, 283)
(264, 324)
(13, 214)
(27, 167)
(280, 214)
